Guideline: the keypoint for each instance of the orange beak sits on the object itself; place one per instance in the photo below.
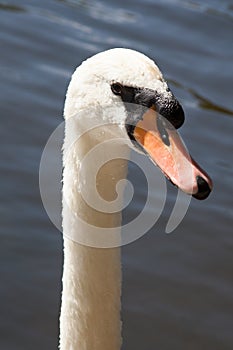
(162, 143)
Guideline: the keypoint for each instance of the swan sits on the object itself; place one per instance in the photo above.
(97, 116)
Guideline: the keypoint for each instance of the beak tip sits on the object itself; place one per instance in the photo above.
(204, 188)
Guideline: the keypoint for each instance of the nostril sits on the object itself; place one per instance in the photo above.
(203, 188)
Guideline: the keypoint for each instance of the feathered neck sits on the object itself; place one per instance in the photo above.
(90, 312)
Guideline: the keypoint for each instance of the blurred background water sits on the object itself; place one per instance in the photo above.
(178, 288)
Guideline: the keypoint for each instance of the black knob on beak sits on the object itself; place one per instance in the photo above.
(173, 112)
(203, 189)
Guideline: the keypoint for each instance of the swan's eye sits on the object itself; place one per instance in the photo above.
(116, 88)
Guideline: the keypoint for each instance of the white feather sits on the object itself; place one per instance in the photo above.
(90, 312)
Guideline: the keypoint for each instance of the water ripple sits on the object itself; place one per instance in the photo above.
(12, 8)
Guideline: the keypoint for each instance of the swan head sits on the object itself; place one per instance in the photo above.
(127, 88)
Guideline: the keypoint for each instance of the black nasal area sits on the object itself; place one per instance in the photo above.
(165, 104)
(203, 189)
(172, 111)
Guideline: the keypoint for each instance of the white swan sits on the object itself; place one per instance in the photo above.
(98, 94)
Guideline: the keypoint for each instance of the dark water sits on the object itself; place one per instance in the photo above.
(178, 288)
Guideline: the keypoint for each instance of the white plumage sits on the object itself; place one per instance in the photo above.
(90, 311)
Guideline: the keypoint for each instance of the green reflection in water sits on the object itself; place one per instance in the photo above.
(203, 102)
(13, 8)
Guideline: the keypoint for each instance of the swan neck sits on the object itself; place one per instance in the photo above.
(91, 297)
